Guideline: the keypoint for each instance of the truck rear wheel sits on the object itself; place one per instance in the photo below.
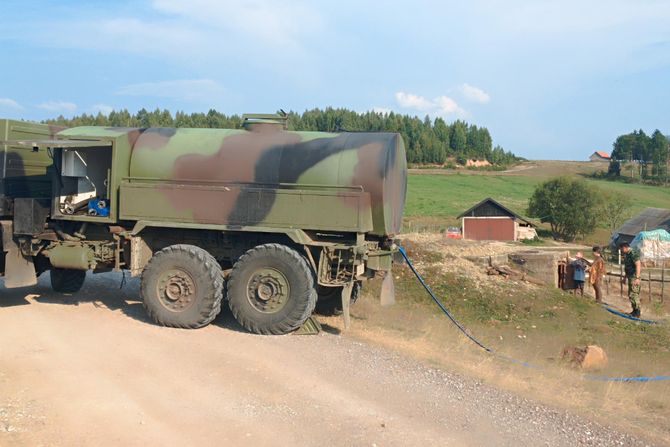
(182, 286)
(271, 290)
(67, 280)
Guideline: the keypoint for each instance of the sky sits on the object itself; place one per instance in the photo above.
(549, 79)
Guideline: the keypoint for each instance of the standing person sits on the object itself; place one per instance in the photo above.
(633, 271)
(579, 272)
(597, 272)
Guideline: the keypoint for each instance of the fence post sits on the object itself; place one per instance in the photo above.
(663, 281)
(621, 276)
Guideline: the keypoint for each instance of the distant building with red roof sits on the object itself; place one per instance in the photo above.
(600, 156)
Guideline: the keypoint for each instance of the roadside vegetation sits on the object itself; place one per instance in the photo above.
(572, 207)
(528, 323)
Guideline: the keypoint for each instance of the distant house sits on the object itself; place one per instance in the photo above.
(477, 163)
(648, 219)
(490, 221)
(600, 156)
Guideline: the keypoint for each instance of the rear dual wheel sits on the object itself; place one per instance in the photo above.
(270, 290)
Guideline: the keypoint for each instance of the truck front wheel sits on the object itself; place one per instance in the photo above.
(182, 286)
(271, 290)
(67, 280)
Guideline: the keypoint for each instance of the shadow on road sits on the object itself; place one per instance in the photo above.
(328, 329)
(14, 297)
(108, 290)
(225, 320)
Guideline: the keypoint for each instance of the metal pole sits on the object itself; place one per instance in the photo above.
(620, 277)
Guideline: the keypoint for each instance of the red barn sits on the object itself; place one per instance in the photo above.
(490, 221)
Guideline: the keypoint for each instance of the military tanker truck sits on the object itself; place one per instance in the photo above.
(265, 219)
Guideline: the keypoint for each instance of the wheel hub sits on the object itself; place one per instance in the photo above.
(268, 290)
(176, 290)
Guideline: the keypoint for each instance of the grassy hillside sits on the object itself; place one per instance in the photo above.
(445, 196)
(449, 195)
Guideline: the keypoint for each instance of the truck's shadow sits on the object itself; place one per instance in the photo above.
(101, 290)
(14, 297)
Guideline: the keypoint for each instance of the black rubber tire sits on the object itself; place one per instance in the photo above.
(205, 273)
(67, 280)
(329, 301)
(299, 304)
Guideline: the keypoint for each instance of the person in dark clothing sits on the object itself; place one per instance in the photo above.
(633, 271)
(579, 272)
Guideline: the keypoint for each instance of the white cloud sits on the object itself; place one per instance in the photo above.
(58, 106)
(205, 90)
(102, 108)
(441, 105)
(271, 35)
(475, 94)
(575, 16)
(277, 24)
(447, 106)
(412, 101)
(9, 103)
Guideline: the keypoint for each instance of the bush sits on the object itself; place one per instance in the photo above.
(570, 206)
(535, 241)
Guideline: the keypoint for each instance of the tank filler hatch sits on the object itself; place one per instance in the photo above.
(265, 121)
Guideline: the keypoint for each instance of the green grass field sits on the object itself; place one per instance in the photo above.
(446, 196)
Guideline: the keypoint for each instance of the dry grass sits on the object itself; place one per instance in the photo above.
(528, 323)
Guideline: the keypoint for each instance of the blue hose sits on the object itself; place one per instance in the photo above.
(626, 379)
(627, 316)
(510, 359)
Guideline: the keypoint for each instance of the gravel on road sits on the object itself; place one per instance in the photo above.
(91, 370)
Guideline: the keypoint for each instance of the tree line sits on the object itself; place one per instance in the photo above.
(428, 141)
(650, 152)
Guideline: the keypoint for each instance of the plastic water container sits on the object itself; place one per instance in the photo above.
(98, 207)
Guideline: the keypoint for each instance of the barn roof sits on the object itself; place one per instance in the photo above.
(489, 201)
(648, 219)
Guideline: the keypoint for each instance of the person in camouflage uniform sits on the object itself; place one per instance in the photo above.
(633, 271)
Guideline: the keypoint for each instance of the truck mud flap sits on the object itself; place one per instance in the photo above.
(19, 269)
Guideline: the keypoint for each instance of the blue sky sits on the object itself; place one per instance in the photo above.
(551, 80)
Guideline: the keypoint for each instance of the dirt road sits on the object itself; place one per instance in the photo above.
(90, 370)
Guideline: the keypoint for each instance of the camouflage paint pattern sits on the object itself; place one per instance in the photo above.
(634, 293)
(267, 176)
(24, 172)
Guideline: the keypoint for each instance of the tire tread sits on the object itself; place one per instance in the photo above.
(213, 271)
(293, 320)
